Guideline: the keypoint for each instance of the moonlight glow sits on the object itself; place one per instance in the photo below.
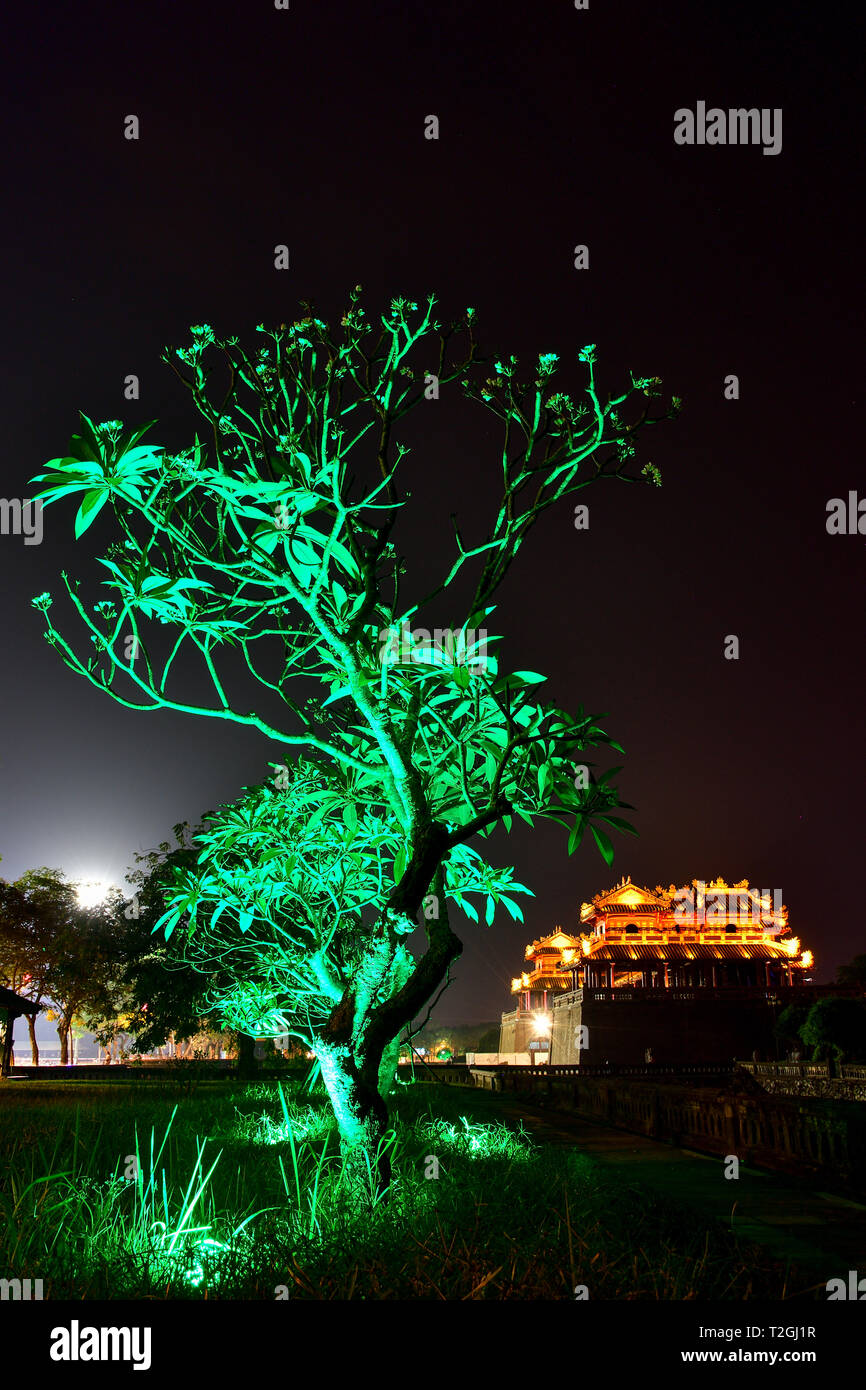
(92, 891)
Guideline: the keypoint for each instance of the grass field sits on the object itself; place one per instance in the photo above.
(226, 1190)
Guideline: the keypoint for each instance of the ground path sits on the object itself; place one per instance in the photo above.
(817, 1229)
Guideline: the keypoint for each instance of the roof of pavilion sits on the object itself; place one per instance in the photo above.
(542, 979)
(626, 897)
(15, 1004)
(558, 940)
(631, 899)
(752, 950)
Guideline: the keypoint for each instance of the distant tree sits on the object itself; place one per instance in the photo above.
(17, 931)
(169, 994)
(74, 951)
(489, 1041)
(789, 1023)
(157, 993)
(37, 913)
(270, 559)
(854, 973)
(836, 1028)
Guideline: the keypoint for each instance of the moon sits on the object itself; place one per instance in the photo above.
(91, 891)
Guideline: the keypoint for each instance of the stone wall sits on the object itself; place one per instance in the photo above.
(516, 1031)
(621, 1024)
(789, 1134)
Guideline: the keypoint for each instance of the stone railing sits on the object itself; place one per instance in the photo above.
(628, 994)
(827, 1080)
(794, 1134)
(798, 1069)
(515, 1015)
(519, 1078)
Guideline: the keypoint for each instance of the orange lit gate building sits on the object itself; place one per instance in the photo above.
(691, 974)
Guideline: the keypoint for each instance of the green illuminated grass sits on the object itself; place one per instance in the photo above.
(240, 1190)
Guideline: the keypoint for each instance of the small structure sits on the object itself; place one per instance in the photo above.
(526, 1029)
(12, 1006)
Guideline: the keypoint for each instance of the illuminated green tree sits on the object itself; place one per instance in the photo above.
(271, 555)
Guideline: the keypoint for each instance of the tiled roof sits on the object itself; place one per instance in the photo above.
(752, 950)
(627, 909)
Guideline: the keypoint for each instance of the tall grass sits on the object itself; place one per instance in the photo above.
(238, 1193)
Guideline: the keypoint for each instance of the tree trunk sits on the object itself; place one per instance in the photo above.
(34, 1046)
(63, 1035)
(6, 1056)
(362, 1119)
(246, 1056)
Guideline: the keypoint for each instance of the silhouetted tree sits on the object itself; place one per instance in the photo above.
(854, 973)
(836, 1028)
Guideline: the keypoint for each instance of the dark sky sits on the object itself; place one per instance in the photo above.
(556, 128)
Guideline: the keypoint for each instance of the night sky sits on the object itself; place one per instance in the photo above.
(306, 127)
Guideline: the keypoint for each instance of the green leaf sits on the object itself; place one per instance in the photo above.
(400, 865)
(88, 440)
(130, 437)
(512, 909)
(218, 913)
(576, 835)
(91, 506)
(303, 560)
(172, 917)
(606, 776)
(620, 824)
(133, 459)
(604, 844)
(339, 694)
(268, 539)
(545, 777)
